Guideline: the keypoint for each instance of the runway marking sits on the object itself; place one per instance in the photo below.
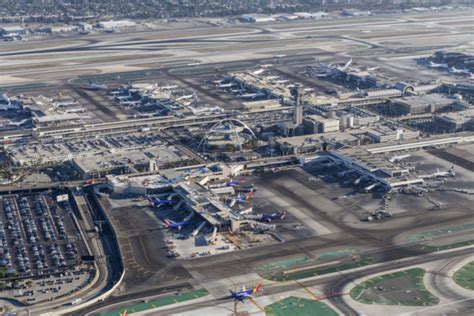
(256, 304)
(308, 290)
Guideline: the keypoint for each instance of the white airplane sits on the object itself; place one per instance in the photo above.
(399, 158)
(64, 104)
(346, 65)
(279, 56)
(435, 65)
(252, 95)
(259, 71)
(262, 227)
(130, 103)
(18, 123)
(194, 64)
(226, 85)
(464, 71)
(440, 174)
(372, 186)
(76, 110)
(186, 97)
(169, 87)
(372, 68)
(5, 98)
(198, 229)
(265, 66)
(97, 86)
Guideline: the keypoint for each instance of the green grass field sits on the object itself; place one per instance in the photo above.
(364, 260)
(163, 301)
(440, 232)
(283, 264)
(465, 276)
(399, 288)
(296, 306)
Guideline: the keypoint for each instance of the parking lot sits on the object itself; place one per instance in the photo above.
(52, 287)
(62, 150)
(38, 235)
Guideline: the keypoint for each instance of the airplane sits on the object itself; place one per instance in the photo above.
(17, 124)
(261, 227)
(464, 71)
(194, 64)
(185, 97)
(346, 65)
(435, 65)
(282, 81)
(372, 186)
(258, 72)
(226, 85)
(279, 56)
(232, 183)
(97, 86)
(157, 202)
(398, 158)
(244, 293)
(171, 224)
(372, 68)
(241, 198)
(267, 217)
(76, 110)
(440, 174)
(131, 103)
(169, 87)
(65, 104)
(252, 95)
(265, 66)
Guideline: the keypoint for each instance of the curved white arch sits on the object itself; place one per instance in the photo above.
(220, 123)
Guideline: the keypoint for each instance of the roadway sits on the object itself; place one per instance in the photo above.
(334, 284)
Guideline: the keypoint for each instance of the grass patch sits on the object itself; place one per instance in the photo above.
(297, 306)
(364, 260)
(160, 302)
(465, 276)
(398, 288)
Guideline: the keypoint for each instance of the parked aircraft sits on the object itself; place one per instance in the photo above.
(252, 95)
(464, 71)
(171, 224)
(244, 293)
(398, 158)
(267, 217)
(435, 65)
(18, 123)
(170, 87)
(97, 86)
(157, 202)
(258, 72)
(186, 97)
(440, 174)
(232, 182)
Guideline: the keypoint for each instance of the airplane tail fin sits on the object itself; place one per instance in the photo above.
(168, 222)
(249, 195)
(258, 287)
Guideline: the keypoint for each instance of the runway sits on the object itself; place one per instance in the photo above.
(374, 38)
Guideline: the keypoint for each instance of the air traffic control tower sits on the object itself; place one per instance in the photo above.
(298, 113)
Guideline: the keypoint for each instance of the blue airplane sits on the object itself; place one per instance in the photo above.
(157, 202)
(233, 183)
(245, 294)
(171, 224)
(274, 216)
